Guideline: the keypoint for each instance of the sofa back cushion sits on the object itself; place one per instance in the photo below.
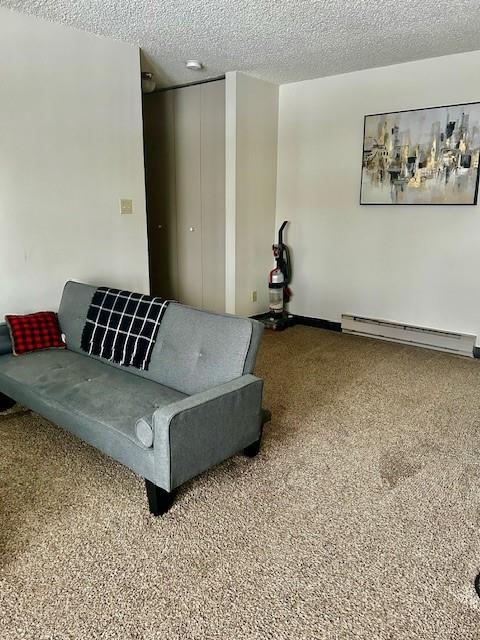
(5, 340)
(194, 351)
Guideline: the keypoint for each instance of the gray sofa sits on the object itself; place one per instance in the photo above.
(197, 405)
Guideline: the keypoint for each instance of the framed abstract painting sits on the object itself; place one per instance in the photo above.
(422, 156)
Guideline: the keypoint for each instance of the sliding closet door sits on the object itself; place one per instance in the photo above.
(158, 118)
(187, 128)
(185, 180)
(213, 194)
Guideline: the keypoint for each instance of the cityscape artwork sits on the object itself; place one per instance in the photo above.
(422, 156)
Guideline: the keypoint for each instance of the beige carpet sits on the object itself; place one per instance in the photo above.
(359, 519)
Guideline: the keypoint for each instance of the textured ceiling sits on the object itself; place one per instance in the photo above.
(279, 40)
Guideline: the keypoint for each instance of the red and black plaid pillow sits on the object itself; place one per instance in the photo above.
(34, 332)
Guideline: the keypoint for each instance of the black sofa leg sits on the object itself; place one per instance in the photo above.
(159, 500)
(5, 402)
(252, 450)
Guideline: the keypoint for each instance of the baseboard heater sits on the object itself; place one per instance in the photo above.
(459, 343)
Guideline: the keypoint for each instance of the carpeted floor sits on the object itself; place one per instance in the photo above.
(360, 518)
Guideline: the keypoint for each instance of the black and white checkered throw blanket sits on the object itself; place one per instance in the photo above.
(122, 326)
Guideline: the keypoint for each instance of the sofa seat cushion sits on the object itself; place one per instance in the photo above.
(98, 402)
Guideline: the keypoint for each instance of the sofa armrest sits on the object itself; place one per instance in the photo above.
(200, 431)
(5, 342)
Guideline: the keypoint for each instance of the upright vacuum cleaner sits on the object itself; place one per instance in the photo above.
(278, 285)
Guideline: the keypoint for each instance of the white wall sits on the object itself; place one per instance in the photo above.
(70, 147)
(413, 264)
(251, 167)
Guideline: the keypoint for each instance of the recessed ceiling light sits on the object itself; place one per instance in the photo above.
(194, 65)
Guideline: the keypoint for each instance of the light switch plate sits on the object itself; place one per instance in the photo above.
(126, 206)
